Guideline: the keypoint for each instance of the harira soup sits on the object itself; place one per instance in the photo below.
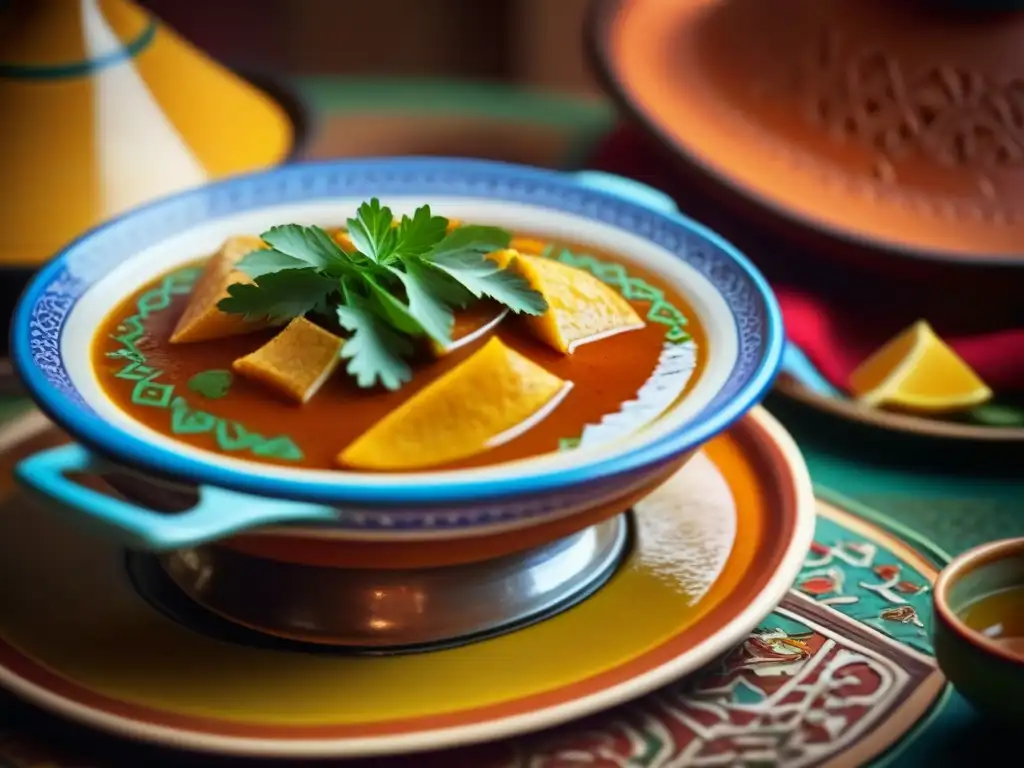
(399, 344)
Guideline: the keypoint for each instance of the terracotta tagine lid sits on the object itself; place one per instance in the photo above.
(107, 108)
(899, 125)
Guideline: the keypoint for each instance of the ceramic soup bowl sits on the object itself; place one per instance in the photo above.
(58, 316)
(979, 627)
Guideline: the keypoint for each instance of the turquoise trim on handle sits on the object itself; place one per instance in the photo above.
(218, 513)
(797, 365)
(627, 189)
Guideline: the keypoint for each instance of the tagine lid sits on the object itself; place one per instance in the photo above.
(114, 109)
(897, 125)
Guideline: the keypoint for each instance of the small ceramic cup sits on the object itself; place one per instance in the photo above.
(986, 672)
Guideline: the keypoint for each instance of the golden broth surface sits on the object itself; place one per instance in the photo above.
(605, 374)
(1000, 618)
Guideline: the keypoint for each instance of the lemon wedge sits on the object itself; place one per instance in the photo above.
(493, 396)
(918, 371)
(581, 308)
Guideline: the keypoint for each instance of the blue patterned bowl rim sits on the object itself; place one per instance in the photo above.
(40, 316)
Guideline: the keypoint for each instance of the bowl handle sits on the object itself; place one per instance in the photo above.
(798, 366)
(627, 189)
(217, 514)
(794, 362)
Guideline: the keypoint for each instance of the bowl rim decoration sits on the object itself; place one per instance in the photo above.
(962, 565)
(41, 317)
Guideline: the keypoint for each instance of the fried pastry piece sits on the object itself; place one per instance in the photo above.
(296, 362)
(491, 397)
(202, 320)
(581, 308)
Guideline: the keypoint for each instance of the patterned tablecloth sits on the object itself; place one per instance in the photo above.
(933, 499)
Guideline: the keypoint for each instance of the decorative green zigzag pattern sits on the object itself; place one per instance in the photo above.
(633, 289)
(231, 436)
(148, 391)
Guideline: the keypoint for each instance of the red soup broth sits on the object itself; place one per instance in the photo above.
(605, 373)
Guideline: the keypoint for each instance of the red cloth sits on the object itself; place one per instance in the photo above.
(837, 316)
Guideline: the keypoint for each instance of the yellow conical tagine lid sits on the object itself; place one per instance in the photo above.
(103, 108)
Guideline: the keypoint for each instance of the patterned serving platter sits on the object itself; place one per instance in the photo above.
(714, 551)
(841, 673)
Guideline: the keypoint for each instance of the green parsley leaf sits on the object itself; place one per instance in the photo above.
(425, 303)
(264, 262)
(439, 284)
(420, 234)
(399, 283)
(371, 231)
(393, 309)
(375, 350)
(483, 277)
(279, 295)
(325, 306)
(309, 244)
(472, 239)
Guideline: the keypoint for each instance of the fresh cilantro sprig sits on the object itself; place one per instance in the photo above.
(402, 282)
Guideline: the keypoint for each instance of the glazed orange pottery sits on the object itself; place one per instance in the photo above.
(339, 552)
(893, 125)
(113, 109)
